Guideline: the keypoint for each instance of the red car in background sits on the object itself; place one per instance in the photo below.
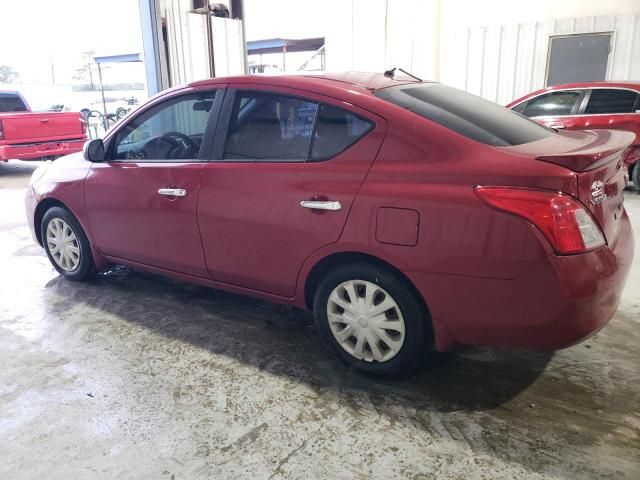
(405, 214)
(27, 135)
(588, 106)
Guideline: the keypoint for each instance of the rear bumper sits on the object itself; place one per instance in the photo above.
(39, 150)
(562, 302)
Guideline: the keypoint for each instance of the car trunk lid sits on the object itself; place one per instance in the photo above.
(597, 159)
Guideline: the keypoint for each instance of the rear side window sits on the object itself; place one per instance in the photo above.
(271, 127)
(609, 100)
(336, 130)
(10, 102)
(466, 114)
(552, 103)
(267, 127)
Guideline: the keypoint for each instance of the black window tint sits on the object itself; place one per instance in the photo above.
(172, 130)
(336, 130)
(265, 126)
(605, 100)
(10, 102)
(552, 103)
(466, 114)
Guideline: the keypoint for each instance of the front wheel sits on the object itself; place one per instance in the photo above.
(372, 319)
(66, 244)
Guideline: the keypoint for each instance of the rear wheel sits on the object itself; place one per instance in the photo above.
(66, 244)
(371, 319)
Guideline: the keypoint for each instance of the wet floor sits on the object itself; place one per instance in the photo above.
(135, 376)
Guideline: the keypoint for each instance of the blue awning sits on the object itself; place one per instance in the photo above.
(122, 58)
(275, 45)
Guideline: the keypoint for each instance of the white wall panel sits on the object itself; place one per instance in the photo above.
(504, 62)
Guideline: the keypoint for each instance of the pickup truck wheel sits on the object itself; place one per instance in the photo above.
(371, 319)
(66, 244)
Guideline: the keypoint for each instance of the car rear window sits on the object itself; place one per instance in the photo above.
(466, 114)
(10, 102)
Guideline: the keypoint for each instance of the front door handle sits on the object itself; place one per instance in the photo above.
(172, 192)
(558, 126)
(321, 205)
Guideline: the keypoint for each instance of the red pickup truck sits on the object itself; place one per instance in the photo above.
(25, 135)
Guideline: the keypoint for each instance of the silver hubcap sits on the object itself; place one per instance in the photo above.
(63, 245)
(366, 321)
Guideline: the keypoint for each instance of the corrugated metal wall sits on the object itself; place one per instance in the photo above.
(187, 43)
(504, 62)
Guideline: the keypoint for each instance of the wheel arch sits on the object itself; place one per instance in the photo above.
(39, 212)
(322, 266)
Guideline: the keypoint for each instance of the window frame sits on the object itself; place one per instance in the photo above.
(224, 121)
(207, 138)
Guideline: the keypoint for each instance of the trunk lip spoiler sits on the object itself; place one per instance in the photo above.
(607, 145)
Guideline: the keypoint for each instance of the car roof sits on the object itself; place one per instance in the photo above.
(632, 85)
(370, 81)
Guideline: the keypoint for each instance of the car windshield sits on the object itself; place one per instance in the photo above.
(466, 114)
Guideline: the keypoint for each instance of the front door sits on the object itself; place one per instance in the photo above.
(286, 170)
(141, 203)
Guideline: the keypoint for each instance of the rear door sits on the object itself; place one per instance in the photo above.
(556, 109)
(287, 166)
(616, 108)
(141, 203)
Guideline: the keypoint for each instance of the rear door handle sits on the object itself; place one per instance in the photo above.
(321, 205)
(558, 126)
(172, 192)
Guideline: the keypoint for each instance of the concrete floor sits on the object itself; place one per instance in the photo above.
(135, 376)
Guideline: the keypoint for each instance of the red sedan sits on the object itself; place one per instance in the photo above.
(589, 106)
(406, 214)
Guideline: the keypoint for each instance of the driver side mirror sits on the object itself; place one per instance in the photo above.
(93, 150)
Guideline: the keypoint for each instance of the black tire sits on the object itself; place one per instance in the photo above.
(635, 176)
(417, 323)
(86, 267)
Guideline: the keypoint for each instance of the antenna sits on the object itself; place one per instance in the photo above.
(391, 73)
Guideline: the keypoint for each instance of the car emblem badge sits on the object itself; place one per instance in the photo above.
(597, 192)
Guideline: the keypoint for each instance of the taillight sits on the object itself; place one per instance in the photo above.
(562, 219)
(1, 131)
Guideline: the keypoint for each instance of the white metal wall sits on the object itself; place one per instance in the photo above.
(187, 43)
(498, 62)
(504, 62)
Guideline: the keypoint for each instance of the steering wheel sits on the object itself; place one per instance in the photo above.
(182, 146)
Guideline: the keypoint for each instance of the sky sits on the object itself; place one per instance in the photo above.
(44, 40)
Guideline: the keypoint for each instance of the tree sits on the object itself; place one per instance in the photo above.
(85, 72)
(8, 74)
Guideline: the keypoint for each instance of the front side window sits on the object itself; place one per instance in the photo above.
(466, 114)
(267, 127)
(552, 103)
(609, 100)
(172, 130)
